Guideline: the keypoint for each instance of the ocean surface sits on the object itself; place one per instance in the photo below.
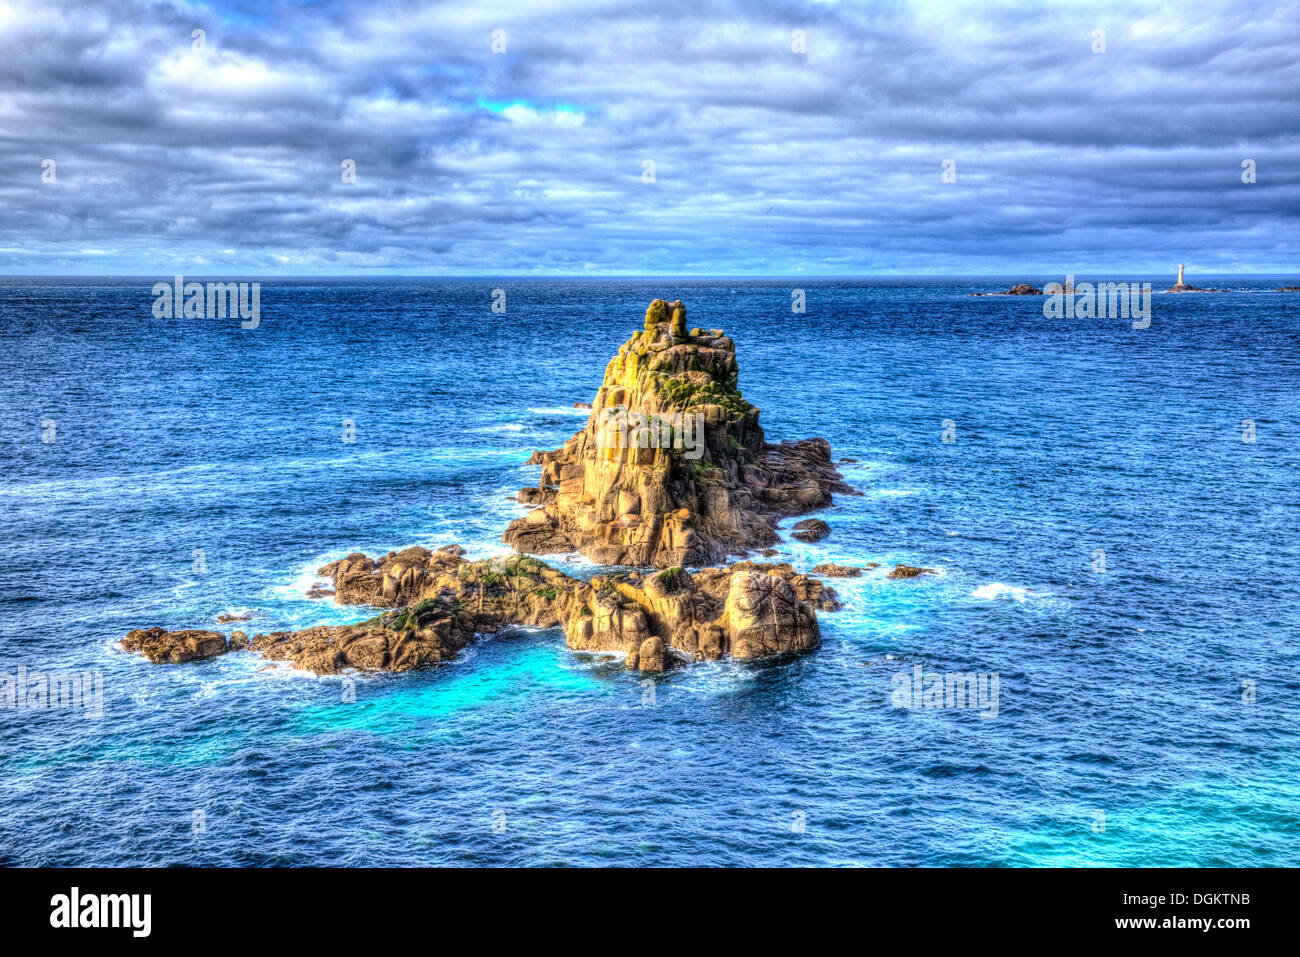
(197, 468)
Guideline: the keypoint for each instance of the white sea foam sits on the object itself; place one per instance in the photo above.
(612, 655)
(999, 590)
(584, 413)
(305, 579)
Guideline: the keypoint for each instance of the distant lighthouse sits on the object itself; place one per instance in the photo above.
(1180, 274)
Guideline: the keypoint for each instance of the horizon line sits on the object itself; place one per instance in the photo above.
(730, 277)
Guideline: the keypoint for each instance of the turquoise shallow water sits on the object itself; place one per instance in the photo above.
(1119, 691)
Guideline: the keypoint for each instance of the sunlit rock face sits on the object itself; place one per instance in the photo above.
(672, 468)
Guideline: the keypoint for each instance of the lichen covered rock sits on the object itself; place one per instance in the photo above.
(427, 633)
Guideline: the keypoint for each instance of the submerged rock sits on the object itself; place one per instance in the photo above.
(909, 571)
(672, 467)
(838, 571)
(811, 530)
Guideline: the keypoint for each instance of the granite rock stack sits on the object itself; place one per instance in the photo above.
(672, 468)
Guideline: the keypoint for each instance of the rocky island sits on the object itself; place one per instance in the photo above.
(670, 476)
(1021, 289)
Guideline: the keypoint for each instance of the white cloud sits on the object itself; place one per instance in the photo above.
(766, 160)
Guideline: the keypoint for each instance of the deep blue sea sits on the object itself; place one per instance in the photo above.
(1122, 691)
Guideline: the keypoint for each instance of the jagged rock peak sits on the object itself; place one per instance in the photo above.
(672, 467)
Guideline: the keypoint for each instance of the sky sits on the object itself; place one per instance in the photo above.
(787, 138)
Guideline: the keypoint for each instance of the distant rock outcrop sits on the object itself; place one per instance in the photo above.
(672, 468)
(1021, 289)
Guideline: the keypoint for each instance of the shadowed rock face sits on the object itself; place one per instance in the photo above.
(640, 501)
(811, 530)
(765, 617)
(428, 632)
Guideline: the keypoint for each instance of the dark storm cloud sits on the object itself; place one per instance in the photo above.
(227, 160)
